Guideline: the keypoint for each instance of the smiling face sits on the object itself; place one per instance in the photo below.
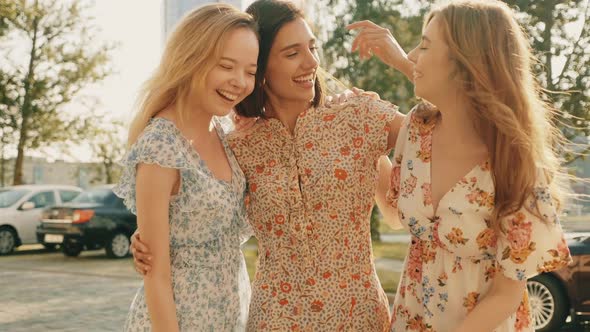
(232, 78)
(292, 64)
(433, 67)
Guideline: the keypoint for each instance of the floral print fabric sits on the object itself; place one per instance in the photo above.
(207, 225)
(454, 254)
(310, 196)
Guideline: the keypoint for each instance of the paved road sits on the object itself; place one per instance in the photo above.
(41, 291)
(45, 291)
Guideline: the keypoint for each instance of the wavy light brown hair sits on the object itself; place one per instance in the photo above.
(493, 61)
(192, 50)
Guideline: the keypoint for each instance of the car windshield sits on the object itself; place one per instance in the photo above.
(98, 196)
(10, 196)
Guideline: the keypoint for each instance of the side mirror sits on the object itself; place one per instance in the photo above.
(27, 206)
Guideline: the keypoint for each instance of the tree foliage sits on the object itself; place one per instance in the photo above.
(52, 56)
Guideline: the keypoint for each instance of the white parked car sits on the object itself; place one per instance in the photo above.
(21, 208)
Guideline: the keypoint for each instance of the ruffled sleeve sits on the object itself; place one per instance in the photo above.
(529, 245)
(158, 144)
(378, 114)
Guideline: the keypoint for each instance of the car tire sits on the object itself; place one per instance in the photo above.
(549, 303)
(7, 240)
(118, 245)
(72, 249)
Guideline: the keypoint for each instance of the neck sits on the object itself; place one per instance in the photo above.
(197, 123)
(456, 123)
(286, 111)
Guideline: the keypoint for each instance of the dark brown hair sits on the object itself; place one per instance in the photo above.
(271, 16)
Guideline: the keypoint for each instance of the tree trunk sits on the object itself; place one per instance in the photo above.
(108, 167)
(2, 164)
(26, 107)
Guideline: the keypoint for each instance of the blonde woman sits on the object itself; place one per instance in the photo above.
(474, 177)
(183, 182)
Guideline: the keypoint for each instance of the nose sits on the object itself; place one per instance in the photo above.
(311, 60)
(239, 80)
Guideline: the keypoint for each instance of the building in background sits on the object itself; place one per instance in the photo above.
(174, 10)
(41, 171)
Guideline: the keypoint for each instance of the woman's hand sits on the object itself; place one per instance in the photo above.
(375, 40)
(141, 255)
(241, 123)
(343, 97)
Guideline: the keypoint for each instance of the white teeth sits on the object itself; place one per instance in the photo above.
(228, 95)
(306, 78)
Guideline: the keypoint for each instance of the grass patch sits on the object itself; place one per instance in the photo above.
(390, 250)
(389, 280)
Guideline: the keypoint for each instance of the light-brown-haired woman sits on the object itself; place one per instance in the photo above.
(475, 176)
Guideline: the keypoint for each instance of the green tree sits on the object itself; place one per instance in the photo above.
(549, 26)
(372, 75)
(109, 148)
(60, 58)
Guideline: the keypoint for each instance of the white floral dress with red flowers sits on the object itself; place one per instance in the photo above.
(310, 195)
(454, 254)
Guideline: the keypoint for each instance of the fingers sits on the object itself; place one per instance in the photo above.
(141, 268)
(343, 97)
(357, 91)
(373, 95)
(368, 43)
(328, 100)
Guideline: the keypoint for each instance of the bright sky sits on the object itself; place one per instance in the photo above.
(136, 26)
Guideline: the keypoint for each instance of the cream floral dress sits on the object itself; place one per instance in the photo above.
(454, 254)
(310, 195)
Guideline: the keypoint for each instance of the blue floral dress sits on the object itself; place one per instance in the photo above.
(207, 225)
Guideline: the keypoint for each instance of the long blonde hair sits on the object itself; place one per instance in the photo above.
(192, 50)
(493, 63)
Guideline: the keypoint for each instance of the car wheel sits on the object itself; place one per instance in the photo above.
(7, 240)
(549, 304)
(118, 246)
(72, 249)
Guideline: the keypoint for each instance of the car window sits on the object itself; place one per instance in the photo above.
(119, 204)
(43, 199)
(9, 197)
(68, 195)
(96, 196)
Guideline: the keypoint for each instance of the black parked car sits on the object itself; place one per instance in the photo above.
(96, 219)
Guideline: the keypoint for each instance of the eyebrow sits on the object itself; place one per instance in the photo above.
(426, 38)
(311, 41)
(234, 61)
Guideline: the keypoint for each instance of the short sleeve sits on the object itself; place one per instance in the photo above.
(375, 115)
(529, 245)
(158, 144)
(394, 179)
